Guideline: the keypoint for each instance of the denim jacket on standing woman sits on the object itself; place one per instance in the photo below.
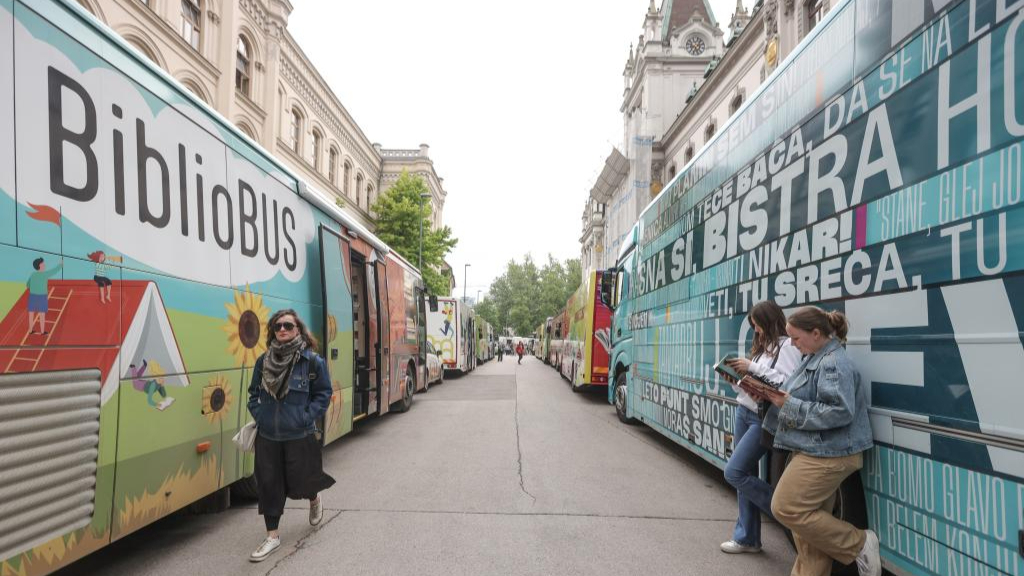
(294, 416)
(826, 414)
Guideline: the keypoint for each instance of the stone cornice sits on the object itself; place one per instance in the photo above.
(301, 75)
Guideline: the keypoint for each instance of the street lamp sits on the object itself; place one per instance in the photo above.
(465, 274)
(478, 296)
(423, 195)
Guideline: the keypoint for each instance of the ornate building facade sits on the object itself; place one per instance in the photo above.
(238, 57)
(682, 82)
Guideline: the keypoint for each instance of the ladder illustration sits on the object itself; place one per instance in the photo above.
(27, 360)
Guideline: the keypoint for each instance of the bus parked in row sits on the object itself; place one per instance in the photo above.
(584, 361)
(557, 329)
(484, 341)
(860, 177)
(130, 322)
(451, 328)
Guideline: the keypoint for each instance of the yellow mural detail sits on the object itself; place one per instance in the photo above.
(217, 399)
(176, 492)
(44, 558)
(246, 327)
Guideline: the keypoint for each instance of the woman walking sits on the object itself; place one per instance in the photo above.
(821, 415)
(772, 358)
(290, 391)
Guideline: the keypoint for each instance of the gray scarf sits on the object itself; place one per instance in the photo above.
(278, 363)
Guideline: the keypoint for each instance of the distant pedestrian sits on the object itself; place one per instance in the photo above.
(821, 415)
(38, 296)
(290, 391)
(772, 358)
(501, 352)
(519, 351)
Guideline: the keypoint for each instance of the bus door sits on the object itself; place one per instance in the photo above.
(364, 328)
(421, 333)
(383, 342)
(339, 306)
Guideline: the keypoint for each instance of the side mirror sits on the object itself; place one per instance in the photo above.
(608, 278)
(432, 300)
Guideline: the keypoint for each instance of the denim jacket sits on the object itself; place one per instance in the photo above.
(826, 414)
(294, 416)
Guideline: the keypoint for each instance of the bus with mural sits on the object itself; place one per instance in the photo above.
(451, 328)
(557, 329)
(145, 242)
(878, 171)
(584, 361)
(484, 341)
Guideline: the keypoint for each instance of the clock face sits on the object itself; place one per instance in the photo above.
(695, 45)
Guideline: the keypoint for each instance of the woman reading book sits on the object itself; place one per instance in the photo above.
(772, 358)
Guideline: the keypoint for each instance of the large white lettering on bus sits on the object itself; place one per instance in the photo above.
(150, 180)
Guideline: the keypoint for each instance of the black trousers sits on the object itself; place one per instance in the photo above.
(288, 469)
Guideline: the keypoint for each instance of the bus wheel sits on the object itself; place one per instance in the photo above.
(245, 489)
(426, 383)
(849, 505)
(409, 387)
(621, 395)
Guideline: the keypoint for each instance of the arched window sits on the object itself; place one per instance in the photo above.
(359, 187)
(672, 172)
(347, 178)
(332, 166)
(245, 129)
(243, 65)
(191, 21)
(195, 90)
(369, 197)
(688, 155)
(735, 104)
(709, 132)
(296, 131)
(318, 140)
(815, 10)
(144, 49)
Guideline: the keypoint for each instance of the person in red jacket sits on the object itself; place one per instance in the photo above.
(519, 351)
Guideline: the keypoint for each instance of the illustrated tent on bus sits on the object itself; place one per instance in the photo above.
(76, 320)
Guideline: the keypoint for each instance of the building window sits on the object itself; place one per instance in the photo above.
(143, 49)
(735, 104)
(245, 130)
(709, 133)
(318, 140)
(688, 155)
(369, 197)
(243, 66)
(359, 187)
(347, 175)
(191, 16)
(296, 130)
(672, 168)
(816, 10)
(332, 166)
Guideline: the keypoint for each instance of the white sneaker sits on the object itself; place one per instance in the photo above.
(869, 563)
(268, 546)
(734, 547)
(316, 511)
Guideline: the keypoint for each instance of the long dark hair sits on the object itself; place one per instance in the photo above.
(304, 332)
(828, 322)
(772, 320)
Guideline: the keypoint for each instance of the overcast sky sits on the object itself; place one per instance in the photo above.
(519, 103)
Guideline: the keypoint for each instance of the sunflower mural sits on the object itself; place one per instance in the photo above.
(216, 399)
(246, 325)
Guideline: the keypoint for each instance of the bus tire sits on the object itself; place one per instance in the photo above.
(621, 397)
(245, 489)
(849, 506)
(408, 389)
(213, 503)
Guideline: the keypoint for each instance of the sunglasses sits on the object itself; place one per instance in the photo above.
(288, 326)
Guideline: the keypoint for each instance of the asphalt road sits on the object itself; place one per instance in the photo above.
(502, 471)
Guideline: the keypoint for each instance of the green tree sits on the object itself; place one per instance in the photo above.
(400, 212)
(525, 295)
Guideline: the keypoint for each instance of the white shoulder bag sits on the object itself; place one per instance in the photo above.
(246, 437)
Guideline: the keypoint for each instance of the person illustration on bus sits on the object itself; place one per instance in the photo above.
(38, 298)
(101, 275)
(150, 386)
(449, 315)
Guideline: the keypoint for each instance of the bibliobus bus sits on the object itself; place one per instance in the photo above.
(585, 350)
(451, 328)
(130, 321)
(877, 171)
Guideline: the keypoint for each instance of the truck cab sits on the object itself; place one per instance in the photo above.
(616, 284)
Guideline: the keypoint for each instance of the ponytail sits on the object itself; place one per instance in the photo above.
(830, 323)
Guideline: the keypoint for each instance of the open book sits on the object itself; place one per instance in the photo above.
(750, 383)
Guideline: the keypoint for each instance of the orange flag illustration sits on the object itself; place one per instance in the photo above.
(45, 213)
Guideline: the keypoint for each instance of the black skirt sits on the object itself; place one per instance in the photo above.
(288, 469)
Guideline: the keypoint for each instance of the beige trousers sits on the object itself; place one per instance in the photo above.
(803, 503)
